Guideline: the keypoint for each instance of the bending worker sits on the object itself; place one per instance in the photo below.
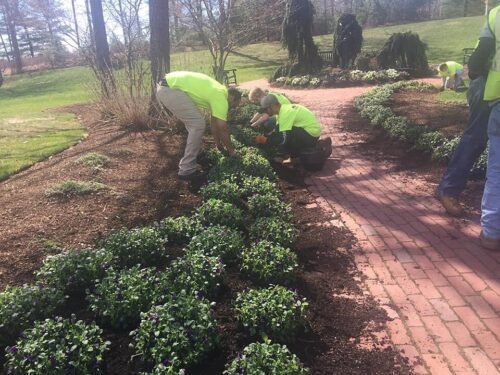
(184, 94)
(299, 127)
(451, 72)
(268, 123)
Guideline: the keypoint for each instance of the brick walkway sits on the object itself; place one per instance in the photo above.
(427, 270)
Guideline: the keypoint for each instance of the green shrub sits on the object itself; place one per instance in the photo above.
(273, 229)
(244, 134)
(177, 334)
(268, 263)
(195, 273)
(269, 206)
(218, 241)
(428, 142)
(94, 160)
(276, 312)
(58, 347)
(258, 185)
(217, 212)
(179, 230)
(245, 113)
(265, 358)
(121, 296)
(145, 246)
(225, 190)
(445, 151)
(71, 188)
(75, 271)
(214, 155)
(21, 306)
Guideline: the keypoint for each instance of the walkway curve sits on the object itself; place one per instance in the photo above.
(441, 289)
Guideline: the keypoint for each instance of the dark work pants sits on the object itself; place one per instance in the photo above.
(298, 140)
(472, 144)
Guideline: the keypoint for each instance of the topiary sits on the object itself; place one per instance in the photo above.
(218, 241)
(269, 205)
(145, 246)
(179, 230)
(268, 263)
(225, 190)
(273, 229)
(217, 212)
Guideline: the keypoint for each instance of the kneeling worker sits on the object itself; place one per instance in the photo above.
(184, 93)
(452, 73)
(299, 127)
(267, 122)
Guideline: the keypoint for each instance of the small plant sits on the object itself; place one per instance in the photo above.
(245, 113)
(120, 297)
(73, 188)
(21, 306)
(179, 230)
(273, 229)
(276, 312)
(145, 246)
(225, 190)
(217, 212)
(195, 273)
(265, 358)
(245, 134)
(75, 271)
(258, 185)
(218, 241)
(177, 334)
(94, 160)
(269, 205)
(268, 263)
(58, 347)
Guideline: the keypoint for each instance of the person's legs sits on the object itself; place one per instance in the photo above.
(181, 105)
(297, 140)
(472, 143)
(490, 216)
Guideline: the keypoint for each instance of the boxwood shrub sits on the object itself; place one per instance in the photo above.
(257, 185)
(217, 212)
(20, 307)
(273, 229)
(218, 241)
(179, 230)
(145, 246)
(58, 347)
(268, 263)
(177, 334)
(225, 190)
(75, 271)
(276, 312)
(265, 358)
(121, 296)
(269, 205)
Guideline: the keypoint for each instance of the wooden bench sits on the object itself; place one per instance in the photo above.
(326, 57)
(467, 54)
(228, 76)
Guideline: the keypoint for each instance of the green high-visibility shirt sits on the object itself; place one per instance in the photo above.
(453, 67)
(295, 115)
(282, 99)
(205, 91)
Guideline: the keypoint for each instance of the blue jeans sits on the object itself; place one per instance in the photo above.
(472, 144)
(490, 209)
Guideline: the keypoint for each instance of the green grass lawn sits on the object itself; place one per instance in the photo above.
(453, 97)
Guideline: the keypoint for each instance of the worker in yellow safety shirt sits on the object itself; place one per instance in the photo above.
(185, 94)
(452, 73)
(262, 120)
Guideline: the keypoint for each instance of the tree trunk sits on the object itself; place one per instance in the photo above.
(75, 20)
(100, 37)
(30, 43)
(89, 21)
(159, 42)
(123, 24)
(11, 27)
(5, 49)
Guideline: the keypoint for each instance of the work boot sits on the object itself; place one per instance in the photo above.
(451, 205)
(196, 175)
(489, 243)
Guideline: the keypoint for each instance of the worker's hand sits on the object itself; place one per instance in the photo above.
(260, 139)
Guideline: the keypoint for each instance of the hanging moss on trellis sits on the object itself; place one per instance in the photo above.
(404, 51)
(347, 41)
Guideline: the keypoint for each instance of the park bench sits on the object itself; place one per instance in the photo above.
(326, 57)
(228, 76)
(467, 54)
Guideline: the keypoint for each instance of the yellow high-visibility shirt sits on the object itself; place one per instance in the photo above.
(295, 115)
(453, 67)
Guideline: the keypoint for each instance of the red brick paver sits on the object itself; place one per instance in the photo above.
(439, 286)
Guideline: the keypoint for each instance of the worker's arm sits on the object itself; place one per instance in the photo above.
(221, 134)
(262, 119)
(479, 62)
(255, 117)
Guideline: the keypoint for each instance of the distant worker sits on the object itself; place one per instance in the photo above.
(268, 123)
(299, 127)
(452, 73)
(184, 94)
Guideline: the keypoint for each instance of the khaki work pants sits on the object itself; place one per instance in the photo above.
(183, 107)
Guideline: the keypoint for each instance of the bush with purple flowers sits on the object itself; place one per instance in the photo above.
(177, 334)
(265, 358)
(217, 212)
(219, 241)
(269, 205)
(179, 230)
(273, 229)
(20, 307)
(58, 347)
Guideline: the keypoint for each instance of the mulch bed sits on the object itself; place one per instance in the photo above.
(143, 177)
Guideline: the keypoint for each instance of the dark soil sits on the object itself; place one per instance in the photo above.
(342, 319)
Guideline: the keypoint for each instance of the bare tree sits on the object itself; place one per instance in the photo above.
(75, 20)
(11, 15)
(159, 40)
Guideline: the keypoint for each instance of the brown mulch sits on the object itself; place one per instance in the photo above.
(144, 187)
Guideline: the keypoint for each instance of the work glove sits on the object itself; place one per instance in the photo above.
(260, 139)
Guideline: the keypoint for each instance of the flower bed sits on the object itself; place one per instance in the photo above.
(375, 107)
(342, 79)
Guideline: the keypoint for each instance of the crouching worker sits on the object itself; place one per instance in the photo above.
(452, 73)
(262, 120)
(298, 126)
(184, 94)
